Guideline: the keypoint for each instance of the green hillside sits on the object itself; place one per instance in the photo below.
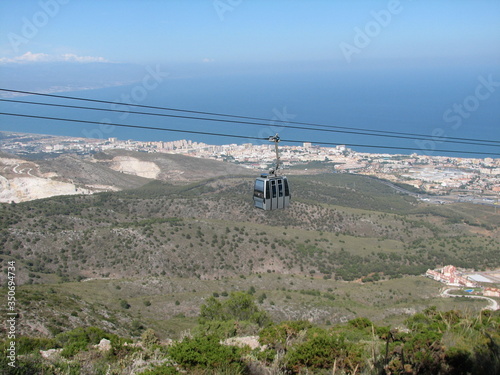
(347, 247)
(235, 335)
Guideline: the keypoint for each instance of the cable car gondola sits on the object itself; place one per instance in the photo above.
(271, 191)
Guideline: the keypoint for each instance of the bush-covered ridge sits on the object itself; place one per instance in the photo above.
(159, 251)
(432, 342)
(210, 230)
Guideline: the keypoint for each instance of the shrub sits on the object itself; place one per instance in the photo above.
(79, 338)
(226, 329)
(360, 323)
(206, 352)
(26, 345)
(280, 335)
(72, 348)
(240, 307)
(149, 338)
(322, 351)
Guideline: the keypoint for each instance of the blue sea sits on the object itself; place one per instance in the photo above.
(438, 103)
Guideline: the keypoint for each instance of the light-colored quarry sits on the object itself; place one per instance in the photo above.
(136, 167)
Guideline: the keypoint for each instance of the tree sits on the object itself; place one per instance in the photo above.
(239, 306)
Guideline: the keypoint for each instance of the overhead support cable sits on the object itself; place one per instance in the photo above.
(352, 130)
(240, 136)
(426, 138)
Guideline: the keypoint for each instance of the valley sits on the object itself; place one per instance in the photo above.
(349, 246)
(151, 255)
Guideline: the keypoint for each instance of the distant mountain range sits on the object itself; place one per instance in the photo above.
(50, 77)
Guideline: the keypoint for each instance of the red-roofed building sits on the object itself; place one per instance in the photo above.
(449, 275)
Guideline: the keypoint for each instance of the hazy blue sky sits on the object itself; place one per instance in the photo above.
(251, 31)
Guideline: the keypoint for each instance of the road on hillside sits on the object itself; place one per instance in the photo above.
(492, 304)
